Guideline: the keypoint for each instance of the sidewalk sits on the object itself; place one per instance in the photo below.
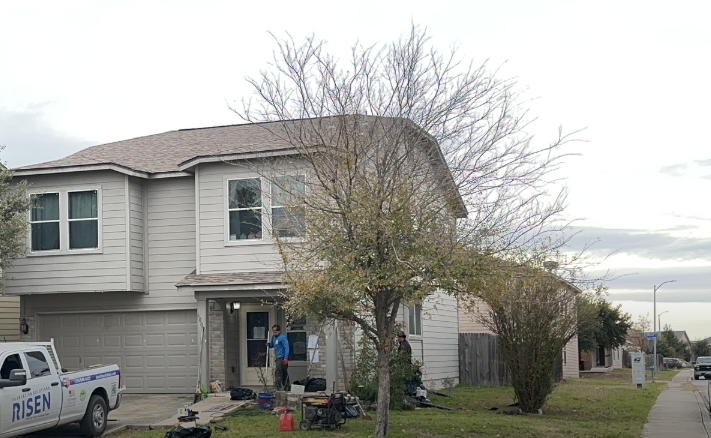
(678, 411)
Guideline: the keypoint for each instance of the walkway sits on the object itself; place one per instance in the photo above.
(679, 411)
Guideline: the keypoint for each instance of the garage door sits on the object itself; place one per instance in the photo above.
(157, 351)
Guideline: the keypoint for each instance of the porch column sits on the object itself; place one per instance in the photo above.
(331, 356)
(203, 353)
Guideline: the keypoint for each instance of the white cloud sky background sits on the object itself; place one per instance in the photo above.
(635, 74)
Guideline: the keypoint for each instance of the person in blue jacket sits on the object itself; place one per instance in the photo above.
(280, 344)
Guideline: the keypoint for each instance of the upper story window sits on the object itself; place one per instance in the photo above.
(83, 220)
(414, 326)
(286, 191)
(245, 208)
(44, 222)
(64, 221)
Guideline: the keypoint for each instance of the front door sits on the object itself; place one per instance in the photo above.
(257, 361)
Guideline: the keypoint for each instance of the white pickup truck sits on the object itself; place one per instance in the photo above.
(36, 394)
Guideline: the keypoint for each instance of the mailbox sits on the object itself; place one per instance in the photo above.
(639, 370)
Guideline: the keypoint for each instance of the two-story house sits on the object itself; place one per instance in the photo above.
(154, 253)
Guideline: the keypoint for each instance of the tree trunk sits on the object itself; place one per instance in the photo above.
(382, 418)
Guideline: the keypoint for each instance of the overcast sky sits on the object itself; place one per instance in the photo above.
(635, 74)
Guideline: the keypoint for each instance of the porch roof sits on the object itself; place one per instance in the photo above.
(231, 279)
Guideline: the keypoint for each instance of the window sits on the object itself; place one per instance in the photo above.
(297, 339)
(245, 209)
(44, 221)
(83, 220)
(287, 219)
(414, 325)
(10, 363)
(38, 364)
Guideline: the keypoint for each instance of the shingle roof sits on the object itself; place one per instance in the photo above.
(163, 153)
(231, 279)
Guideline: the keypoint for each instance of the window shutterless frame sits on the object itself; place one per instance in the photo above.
(83, 219)
(244, 209)
(66, 222)
(45, 229)
(414, 326)
(287, 220)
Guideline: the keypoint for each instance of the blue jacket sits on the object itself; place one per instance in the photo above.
(280, 344)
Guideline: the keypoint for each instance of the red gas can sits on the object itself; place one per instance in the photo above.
(286, 422)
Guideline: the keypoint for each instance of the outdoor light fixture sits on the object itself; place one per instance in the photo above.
(24, 327)
(234, 306)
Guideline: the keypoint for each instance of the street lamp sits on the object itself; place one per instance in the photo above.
(660, 319)
(654, 370)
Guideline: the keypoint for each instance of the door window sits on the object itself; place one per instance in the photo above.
(257, 332)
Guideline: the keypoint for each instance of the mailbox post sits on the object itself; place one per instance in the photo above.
(639, 370)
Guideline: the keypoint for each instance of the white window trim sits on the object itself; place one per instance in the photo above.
(411, 335)
(271, 206)
(64, 223)
(226, 203)
(59, 220)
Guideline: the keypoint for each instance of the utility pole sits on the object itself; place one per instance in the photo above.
(654, 370)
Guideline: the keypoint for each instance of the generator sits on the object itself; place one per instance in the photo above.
(323, 411)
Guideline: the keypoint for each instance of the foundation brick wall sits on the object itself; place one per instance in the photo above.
(216, 330)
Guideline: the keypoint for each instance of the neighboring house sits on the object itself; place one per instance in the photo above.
(469, 322)
(684, 338)
(603, 357)
(140, 253)
(9, 319)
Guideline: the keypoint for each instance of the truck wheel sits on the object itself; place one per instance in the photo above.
(94, 422)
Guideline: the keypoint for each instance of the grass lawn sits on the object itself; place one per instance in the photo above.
(595, 406)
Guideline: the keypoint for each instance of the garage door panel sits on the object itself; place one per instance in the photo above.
(157, 351)
(155, 340)
(68, 341)
(112, 341)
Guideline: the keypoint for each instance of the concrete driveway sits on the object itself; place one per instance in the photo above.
(136, 410)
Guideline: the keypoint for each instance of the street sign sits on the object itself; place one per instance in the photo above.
(650, 335)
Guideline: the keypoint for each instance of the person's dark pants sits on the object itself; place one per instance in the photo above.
(281, 375)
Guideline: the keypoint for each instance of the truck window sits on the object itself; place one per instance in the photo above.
(10, 363)
(38, 364)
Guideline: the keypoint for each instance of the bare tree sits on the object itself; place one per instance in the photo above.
(413, 160)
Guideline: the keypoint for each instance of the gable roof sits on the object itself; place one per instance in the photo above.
(174, 153)
(164, 154)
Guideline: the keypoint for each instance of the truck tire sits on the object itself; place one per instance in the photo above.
(94, 422)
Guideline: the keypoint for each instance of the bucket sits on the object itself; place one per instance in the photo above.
(264, 400)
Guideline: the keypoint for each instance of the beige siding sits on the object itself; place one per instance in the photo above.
(438, 347)
(171, 233)
(216, 253)
(80, 271)
(9, 318)
(136, 229)
(440, 339)
(468, 322)
(570, 362)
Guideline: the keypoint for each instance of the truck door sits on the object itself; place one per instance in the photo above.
(43, 401)
(11, 397)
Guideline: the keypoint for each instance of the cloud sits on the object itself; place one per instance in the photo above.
(703, 163)
(674, 169)
(660, 245)
(30, 138)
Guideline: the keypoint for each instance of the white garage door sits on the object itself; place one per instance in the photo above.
(157, 351)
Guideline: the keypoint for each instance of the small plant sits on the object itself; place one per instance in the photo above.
(448, 384)
(260, 368)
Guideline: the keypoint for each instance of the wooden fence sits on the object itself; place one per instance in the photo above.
(481, 362)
